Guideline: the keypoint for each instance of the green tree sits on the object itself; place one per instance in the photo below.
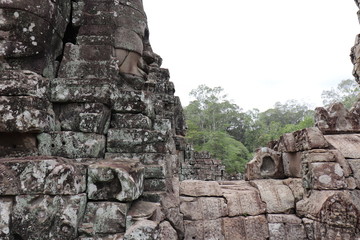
(209, 118)
(347, 92)
(272, 123)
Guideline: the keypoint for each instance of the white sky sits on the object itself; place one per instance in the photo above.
(259, 51)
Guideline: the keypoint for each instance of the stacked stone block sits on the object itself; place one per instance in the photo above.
(88, 143)
(201, 166)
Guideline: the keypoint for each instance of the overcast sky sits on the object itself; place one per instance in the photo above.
(259, 51)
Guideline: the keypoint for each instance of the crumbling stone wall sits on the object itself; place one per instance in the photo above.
(201, 166)
(88, 124)
(92, 138)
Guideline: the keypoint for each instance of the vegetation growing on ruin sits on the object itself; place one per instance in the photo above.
(229, 133)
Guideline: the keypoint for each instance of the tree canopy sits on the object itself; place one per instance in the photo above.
(222, 128)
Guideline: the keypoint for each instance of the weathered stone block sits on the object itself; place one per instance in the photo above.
(83, 117)
(41, 175)
(72, 144)
(87, 52)
(245, 201)
(204, 229)
(141, 210)
(292, 164)
(104, 218)
(336, 119)
(47, 217)
(203, 208)
(115, 180)
(326, 175)
(155, 172)
(355, 167)
(142, 230)
(81, 90)
(246, 228)
(93, 69)
(283, 226)
(166, 231)
(132, 102)
(318, 230)
(26, 114)
(155, 185)
(197, 188)
(336, 208)
(139, 121)
(296, 186)
(305, 139)
(265, 164)
(347, 144)
(23, 83)
(277, 196)
(6, 205)
(137, 141)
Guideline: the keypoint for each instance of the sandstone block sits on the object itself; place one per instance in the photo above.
(336, 208)
(306, 139)
(26, 114)
(118, 236)
(277, 196)
(318, 230)
(347, 144)
(139, 121)
(104, 218)
(142, 230)
(41, 175)
(132, 102)
(244, 202)
(141, 210)
(166, 231)
(86, 69)
(265, 164)
(6, 205)
(246, 228)
(155, 172)
(355, 167)
(137, 141)
(197, 188)
(206, 229)
(81, 90)
(292, 164)
(136, 23)
(115, 180)
(155, 185)
(296, 186)
(72, 144)
(337, 119)
(283, 226)
(23, 83)
(87, 52)
(325, 175)
(203, 208)
(47, 217)
(83, 117)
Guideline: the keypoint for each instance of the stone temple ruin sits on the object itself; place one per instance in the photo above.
(92, 143)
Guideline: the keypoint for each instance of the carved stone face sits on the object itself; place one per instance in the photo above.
(31, 32)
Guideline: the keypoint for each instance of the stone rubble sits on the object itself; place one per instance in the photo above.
(92, 143)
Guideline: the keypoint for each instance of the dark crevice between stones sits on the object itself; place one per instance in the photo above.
(70, 36)
(17, 237)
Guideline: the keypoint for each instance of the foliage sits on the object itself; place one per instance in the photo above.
(221, 127)
(208, 118)
(347, 92)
